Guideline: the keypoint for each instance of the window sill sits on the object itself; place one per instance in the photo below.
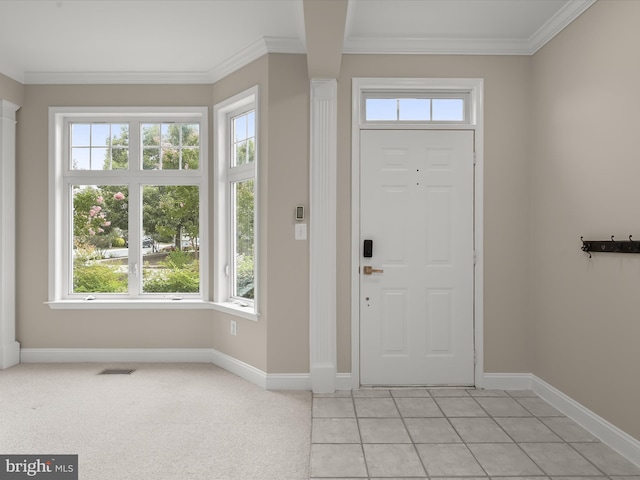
(235, 309)
(156, 304)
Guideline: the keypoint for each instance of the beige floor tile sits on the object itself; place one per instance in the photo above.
(558, 459)
(376, 407)
(503, 407)
(418, 407)
(450, 460)
(333, 407)
(504, 459)
(335, 430)
(568, 430)
(337, 460)
(606, 459)
(393, 460)
(383, 430)
(480, 430)
(461, 407)
(527, 430)
(539, 407)
(431, 430)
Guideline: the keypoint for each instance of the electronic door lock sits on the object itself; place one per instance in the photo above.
(368, 270)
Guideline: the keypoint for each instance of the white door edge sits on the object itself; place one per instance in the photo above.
(476, 88)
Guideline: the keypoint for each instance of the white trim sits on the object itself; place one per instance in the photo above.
(242, 58)
(466, 46)
(222, 177)
(620, 441)
(95, 355)
(268, 381)
(9, 348)
(322, 238)
(59, 213)
(567, 14)
(476, 122)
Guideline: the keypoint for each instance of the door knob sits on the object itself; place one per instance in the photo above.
(368, 270)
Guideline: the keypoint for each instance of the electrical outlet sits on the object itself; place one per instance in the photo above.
(233, 328)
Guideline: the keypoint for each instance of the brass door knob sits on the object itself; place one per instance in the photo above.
(368, 270)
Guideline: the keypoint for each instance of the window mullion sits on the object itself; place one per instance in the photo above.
(135, 240)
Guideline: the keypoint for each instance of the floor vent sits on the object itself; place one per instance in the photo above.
(115, 371)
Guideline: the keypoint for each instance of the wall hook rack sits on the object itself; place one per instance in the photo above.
(611, 246)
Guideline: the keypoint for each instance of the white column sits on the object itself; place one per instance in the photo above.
(322, 235)
(9, 348)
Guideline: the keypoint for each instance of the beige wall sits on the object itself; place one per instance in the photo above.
(507, 345)
(585, 172)
(37, 325)
(250, 343)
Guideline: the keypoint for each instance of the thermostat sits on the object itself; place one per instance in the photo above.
(299, 213)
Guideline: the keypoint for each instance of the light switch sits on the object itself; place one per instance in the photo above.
(301, 231)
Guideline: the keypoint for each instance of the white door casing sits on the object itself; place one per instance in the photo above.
(416, 205)
(474, 87)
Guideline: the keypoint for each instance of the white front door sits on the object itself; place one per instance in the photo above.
(416, 312)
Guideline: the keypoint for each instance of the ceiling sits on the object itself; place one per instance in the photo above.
(201, 41)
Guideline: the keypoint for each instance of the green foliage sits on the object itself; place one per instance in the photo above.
(173, 281)
(179, 259)
(118, 242)
(245, 277)
(98, 278)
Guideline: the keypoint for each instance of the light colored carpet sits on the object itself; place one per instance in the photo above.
(164, 421)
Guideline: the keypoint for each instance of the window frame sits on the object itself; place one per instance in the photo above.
(61, 177)
(465, 96)
(225, 176)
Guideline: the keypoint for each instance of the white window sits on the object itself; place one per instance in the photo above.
(128, 206)
(236, 163)
(416, 108)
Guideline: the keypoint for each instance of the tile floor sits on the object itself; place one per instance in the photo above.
(445, 433)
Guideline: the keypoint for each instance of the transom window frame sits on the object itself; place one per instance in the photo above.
(225, 175)
(61, 176)
(463, 95)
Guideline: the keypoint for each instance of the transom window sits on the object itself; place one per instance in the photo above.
(416, 108)
(129, 204)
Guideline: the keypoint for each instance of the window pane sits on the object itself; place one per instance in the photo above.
(244, 239)
(170, 239)
(244, 129)
(381, 109)
(100, 253)
(171, 146)
(414, 109)
(92, 146)
(100, 134)
(81, 135)
(150, 135)
(448, 109)
(80, 159)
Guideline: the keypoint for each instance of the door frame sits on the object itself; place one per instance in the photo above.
(475, 88)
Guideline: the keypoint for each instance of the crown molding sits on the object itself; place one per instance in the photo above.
(557, 23)
(434, 46)
(243, 57)
(468, 46)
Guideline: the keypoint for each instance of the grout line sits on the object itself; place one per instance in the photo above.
(466, 444)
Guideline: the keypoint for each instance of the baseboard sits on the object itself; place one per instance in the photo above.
(9, 355)
(268, 381)
(623, 443)
(94, 355)
(620, 441)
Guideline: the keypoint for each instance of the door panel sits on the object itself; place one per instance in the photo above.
(416, 315)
